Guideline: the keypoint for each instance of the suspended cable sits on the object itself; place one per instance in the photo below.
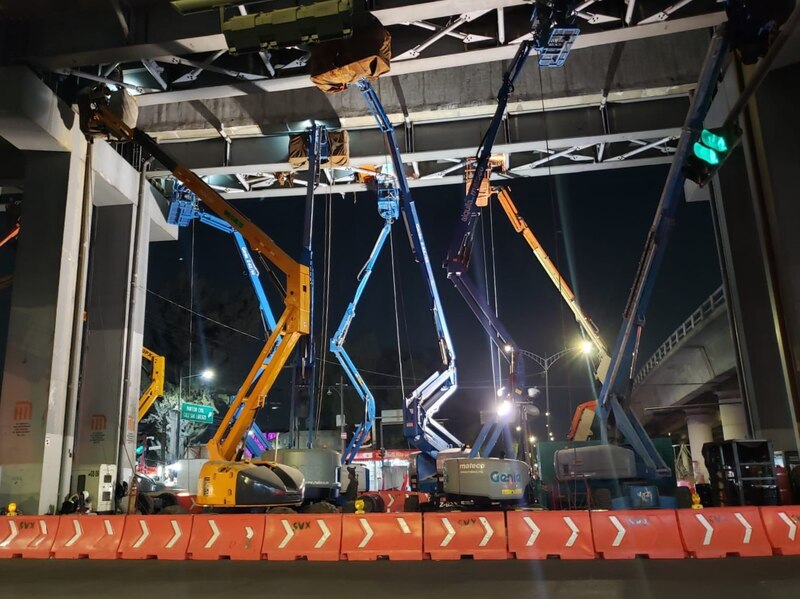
(191, 303)
(326, 304)
(492, 354)
(397, 318)
(553, 209)
(494, 277)
(204, 317)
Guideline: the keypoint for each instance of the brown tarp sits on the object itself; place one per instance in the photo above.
(335, 65)
(338, 141)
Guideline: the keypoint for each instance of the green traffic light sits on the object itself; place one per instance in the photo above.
(714, 141)
(706, 154)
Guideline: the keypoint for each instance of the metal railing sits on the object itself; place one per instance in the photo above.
(708, 307)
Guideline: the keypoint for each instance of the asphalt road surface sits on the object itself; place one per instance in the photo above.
(732, 578)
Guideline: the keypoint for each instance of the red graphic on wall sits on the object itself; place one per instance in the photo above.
(98, 422)
(23, 410)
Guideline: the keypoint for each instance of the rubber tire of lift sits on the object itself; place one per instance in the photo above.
(601, 499)
(282, 510)
(144, 504)
(683, 498)
(373, 504)
(319, 507)
(411, 504)
(173, 510)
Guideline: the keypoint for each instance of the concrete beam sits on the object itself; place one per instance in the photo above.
(116, 181)
(700, 363)
(31, 116)
(447, 61)
(278, 149)
(158, 29)
(156, 205)
(577, 167)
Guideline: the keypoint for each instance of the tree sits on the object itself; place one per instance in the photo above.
(163, 420)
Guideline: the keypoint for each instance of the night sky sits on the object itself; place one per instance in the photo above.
(593, 225)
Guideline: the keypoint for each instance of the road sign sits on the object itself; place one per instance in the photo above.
(197, 413)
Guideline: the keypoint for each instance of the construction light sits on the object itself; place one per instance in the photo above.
(501, 391)
(207, 374)
(587, 347)
(519, 428)
(504, 408)
(507, 348)
(532, 439)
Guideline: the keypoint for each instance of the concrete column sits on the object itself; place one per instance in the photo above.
(756, 212)
(699, 428)
(733, 417)
(100, 400)
(36, 369)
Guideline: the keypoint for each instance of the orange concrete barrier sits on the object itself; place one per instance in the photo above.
(315, 537)
(92, 537)
(540, 535)
(627, 534)
(720, 532)
(377, 536)
(453, 535)
(782, 524)
(231, 536)
(27, 536)
(155, 537)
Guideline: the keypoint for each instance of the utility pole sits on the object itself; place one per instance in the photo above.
(342, 434)
(340, 390)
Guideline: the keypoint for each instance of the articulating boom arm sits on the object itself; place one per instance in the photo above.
(521, 227)
(183, 209)
(618, 383)
(156, 387)
(13, 235)
(389, 208)
(458, 256)
(98, 120)
(422, 430)
(623, 357)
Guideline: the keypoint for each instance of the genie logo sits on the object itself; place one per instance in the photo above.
(502, 477)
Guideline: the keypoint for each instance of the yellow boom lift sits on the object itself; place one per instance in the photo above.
(226, 481)
(581, 425)
(156, 387)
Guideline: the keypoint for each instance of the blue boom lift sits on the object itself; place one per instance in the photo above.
(421, 428)
(552, 37)
(183, 209)
(389, 210)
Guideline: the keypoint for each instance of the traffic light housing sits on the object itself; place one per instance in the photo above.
(710, 151)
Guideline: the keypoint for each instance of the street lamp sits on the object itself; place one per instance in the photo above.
(546, 362)
(504, 408)
(207, 375)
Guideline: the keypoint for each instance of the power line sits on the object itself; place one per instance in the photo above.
(203, 316)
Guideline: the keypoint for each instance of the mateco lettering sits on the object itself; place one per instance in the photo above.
(471, 467)
(502, 477)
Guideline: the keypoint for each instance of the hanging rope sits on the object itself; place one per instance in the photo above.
(397, 318)
(492, 354)
(494, 278)
(326, 304)
(191, 299)
(553, 192)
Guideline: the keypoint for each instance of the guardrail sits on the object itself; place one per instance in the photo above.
(706, 309)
